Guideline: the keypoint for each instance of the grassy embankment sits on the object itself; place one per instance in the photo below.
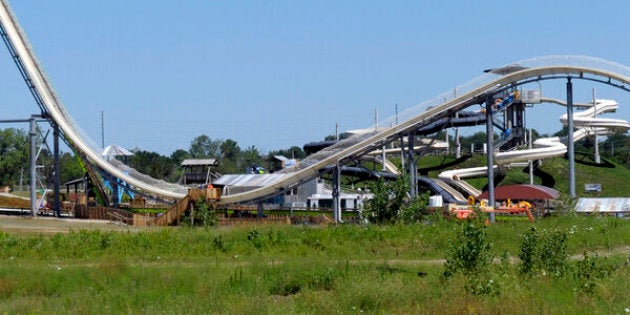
(345, 269)
(552, 173)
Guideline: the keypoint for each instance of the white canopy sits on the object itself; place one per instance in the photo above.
(115, 150)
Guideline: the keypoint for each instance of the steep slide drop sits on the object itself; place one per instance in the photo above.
(443, 105)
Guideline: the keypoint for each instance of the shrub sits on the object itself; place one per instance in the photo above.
(470, 252)
(544, 252)
(589, 270)
(412, 212)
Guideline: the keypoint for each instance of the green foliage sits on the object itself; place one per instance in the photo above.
(589, 270)
(203, 147)
(151, 163)
(544, 252)
(413, 211)
(326, 270)
(388, 200)
(529, 252)
(14, 146)
(293, 152)
(70, 167)
(565, 204)
(200, 215)
(469, 254)
(254, 237)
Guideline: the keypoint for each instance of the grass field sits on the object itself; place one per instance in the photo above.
(299, 269)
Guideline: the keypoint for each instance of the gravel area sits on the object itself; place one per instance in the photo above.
(28, 224)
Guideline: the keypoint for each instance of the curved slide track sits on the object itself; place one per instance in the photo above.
(585, 121)
(546, 148)
(471, 93)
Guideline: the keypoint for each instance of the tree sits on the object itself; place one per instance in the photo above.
(14, 150)
(252, 156)
(478, 139)
(388, 201)
(293, 152)
(152, 164)
(203, 147)
(70, 167)
(230, 157)
(179, 156)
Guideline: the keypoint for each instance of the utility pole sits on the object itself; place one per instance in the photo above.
(489, 156)
(570, 144)
(102, 129)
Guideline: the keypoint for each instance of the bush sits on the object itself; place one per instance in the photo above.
(589, 270)
(544, 252)
(470, 252)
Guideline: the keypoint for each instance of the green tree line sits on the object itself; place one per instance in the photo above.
(14, 159)
(14, 156)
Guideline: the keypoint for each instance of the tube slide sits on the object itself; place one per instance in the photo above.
(556, 146)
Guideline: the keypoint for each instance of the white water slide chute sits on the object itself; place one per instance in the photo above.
(444, 105)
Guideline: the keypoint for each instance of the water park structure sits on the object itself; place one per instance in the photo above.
(501, 92)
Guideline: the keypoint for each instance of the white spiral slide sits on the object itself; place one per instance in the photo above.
(587, 124)
(468, 94)
(546, 148)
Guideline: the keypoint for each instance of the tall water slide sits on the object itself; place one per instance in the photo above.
(444, 105)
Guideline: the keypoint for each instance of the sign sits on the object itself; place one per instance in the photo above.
(592, 187)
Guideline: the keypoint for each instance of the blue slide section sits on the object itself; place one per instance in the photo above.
(123, 188)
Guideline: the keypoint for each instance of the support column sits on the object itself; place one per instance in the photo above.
(336, 192)
(383, 158)
(402, 154)
(570, 144)
(531, 162)
(489, 155)
(113, 182)
(411, 163)
(57, 178)
(260, 210)
(598, 159)
(33, 164)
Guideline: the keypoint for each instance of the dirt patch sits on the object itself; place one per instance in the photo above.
(27, 224)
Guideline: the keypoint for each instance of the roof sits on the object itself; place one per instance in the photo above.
(200, 162)
(523, 192)
(75, 181)
(115, 150)
(603, 205)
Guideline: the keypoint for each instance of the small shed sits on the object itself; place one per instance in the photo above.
(199, 171)
(538, 195)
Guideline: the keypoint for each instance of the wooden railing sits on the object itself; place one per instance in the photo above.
(174, 213)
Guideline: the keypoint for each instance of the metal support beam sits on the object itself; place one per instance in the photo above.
(531, 162)
(411, 164)
(598, 159)
(570, 144)
(33, 164)
(336, 191)
(115, 190)
(490, 156)
(402, 154)
(57, 178)
(260, 210)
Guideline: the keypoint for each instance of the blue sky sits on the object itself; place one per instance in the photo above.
(279, 73)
